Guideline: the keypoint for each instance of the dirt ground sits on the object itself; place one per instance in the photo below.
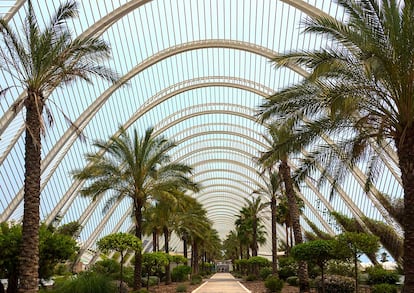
(259, 287)
(171, 288)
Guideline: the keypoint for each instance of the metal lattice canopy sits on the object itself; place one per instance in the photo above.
(197, 70)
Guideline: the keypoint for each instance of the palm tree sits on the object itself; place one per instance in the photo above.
(231, 246)
(272, 189)
(252, 214)
(244, 234)
(210, 247)
(283, 217)
(276, 154)
(137, 168)
(196, 236)
(192, 223)
(362, 83)
(41, 60)
(170, 209)
(151, 225)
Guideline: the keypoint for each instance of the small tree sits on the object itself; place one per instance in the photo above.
(358, 244)
(54, 247)
(318, 252)
(10, 241)
(179, 259)
(120, 242)
(257, 262)
(154, 261)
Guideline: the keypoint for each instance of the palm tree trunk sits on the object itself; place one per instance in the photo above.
(274, 236)
(185, 251)
(29, 256)
(405, 150)
(203, 259)
(12, 282)
(284, 169)
(138, 254)
(154, 241)
(254, 246)
(195, 258)
(241, 250)
(167, 250)
(287, 239)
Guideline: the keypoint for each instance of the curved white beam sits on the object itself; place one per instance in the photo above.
(67, 140)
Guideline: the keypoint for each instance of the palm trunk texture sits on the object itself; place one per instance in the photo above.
(195, 258)
(154, 241)
(29, 256)
(254, 246)
(167, 251)
(274, 236)
(294, 215)
(405, 151)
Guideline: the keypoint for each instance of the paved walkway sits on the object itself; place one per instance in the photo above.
(221, 283)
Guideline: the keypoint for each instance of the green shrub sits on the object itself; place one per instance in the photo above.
(62, 270)
(337, 267)
(274, 284)
(129, 276)
(378, 275)
(265, 272)
(384, 288)
(258, 261)
(196, 279)
(242, 265)
(293, 281)
(87, 282)
(287, 267)
(336, 284)
(107, 267)
(207, 268)
(153, 280)
(180, 273)
(181, 288)
(251, 278)
(237, 275)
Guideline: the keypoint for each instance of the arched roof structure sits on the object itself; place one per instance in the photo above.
(196, 71)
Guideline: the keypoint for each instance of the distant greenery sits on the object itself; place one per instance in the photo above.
(378, 275)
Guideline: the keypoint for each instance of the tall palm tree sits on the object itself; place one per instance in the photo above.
(169, 210)
(192, 223)
(138, 168)
(252, 213)
(41, 59)
(244, 234)
(211, 247)
(196, 237)
(276, 154)
(272, 189)
(151, 225)
(364, 83)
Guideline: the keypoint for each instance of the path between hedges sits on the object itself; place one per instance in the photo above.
(221, 283)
